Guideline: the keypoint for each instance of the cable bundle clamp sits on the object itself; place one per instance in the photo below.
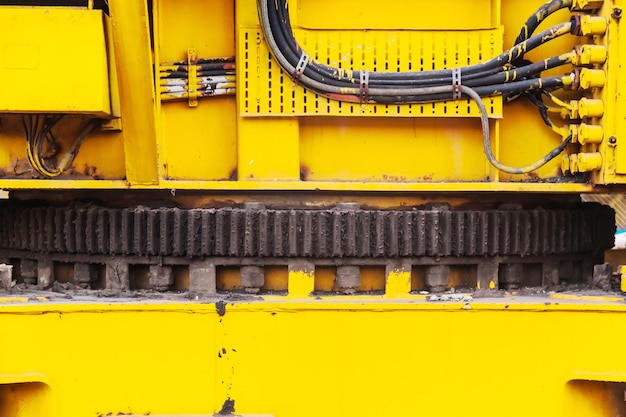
(304, 61)
(364, 86)
(456, 83)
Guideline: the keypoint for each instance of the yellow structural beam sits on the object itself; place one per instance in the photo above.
(336, 356)
(133, 57)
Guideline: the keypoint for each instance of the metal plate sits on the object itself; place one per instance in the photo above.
(265, 90)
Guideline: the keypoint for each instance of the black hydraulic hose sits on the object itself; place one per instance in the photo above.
(283, 35)
(505, 57)
(484, 119)
(535, 99)
(347, 85)
(522, 72)
(539, 16)
(483, 91)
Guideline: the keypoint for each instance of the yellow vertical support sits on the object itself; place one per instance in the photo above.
(268, 148)
(301, 279)
(397, 279)
(131, 37)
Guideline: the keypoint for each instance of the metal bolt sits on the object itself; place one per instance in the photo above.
(617, 13)
(612, 140)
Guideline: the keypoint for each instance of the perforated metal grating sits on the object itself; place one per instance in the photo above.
(265, 90)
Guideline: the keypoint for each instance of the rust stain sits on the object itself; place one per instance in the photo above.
(532, 176)
(232, 176)
(19, 168)
(305, 172)
(394, 178)
(90, 170)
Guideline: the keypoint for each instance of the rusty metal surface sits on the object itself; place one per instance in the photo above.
(328, 233)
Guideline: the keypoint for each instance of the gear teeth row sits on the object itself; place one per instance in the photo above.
(333, 233)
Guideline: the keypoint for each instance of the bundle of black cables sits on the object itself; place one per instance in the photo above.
(493, 77)
(487, 78)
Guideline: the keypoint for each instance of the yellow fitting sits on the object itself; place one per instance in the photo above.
(590, 78)
(586, 4)
(588, 107)
(572, 112)
(590, 161)
(589, 54)
(590, 134)
(573, 164)
(565, 164)
(593, 25)
(573, 132)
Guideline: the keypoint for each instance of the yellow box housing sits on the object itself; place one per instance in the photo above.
(61, 67)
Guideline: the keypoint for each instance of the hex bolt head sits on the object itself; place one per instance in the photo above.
(252, 278)
(348, 278)
(161, 278)
(437, 277)
(511, 276)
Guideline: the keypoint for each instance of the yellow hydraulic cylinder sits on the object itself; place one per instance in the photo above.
(590, 108)
(590, 133)
(590, 78)
(589, 161)
(590, 54)
(593, 25)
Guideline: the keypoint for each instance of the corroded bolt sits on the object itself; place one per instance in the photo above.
(437, 277)
(161, 278)
(348, 278)
(511, 276)
(252, 278)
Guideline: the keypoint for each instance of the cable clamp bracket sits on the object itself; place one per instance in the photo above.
(364, 86)
(304, 61)
(192, 77)
(456, 83)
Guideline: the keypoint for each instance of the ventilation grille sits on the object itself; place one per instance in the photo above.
(265, 90)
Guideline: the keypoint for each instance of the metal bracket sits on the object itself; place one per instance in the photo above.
(192, 77)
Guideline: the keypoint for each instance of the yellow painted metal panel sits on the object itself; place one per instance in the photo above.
(63, 71)
(268, 91)
(397, 14)
(366, 357)
(522, 146)
(391, 149)
(268, 149)
(198, 143)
